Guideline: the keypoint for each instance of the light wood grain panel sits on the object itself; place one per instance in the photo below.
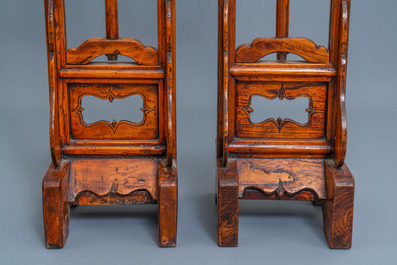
(116, 177)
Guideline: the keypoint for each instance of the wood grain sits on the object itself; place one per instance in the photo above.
(282, 24)
(146, 129)
(341, 117)
(302, 47)
(170, 83)
(282, 177)
(168, 203)
(338, 207)
(274, 127)
(288, 71)
(55, 205)
(112, 24)
(112, 162)
(113, 176)
(95, 47)
(55, 142)
(228, 207)
(279, 158)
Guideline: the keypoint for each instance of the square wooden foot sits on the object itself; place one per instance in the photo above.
(168, 204)
(228, 207)
(338, 207)
(55, 205)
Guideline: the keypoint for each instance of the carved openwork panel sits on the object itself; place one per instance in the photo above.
(143, 128)
(312, 127)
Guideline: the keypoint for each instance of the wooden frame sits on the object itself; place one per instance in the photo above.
(280, 158)
(110, 163)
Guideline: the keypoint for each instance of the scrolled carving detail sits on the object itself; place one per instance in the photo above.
(111, 96)
(279, 122)
(261, 47)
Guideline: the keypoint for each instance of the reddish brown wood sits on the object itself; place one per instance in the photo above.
(113, 176)
(133, 198)
(124, 73)
(280, 158)
(338, 207)
(112, 24)
(168, 203)
(276, 71)
(95, 47)
(341, 120)
(228, 207)
(111, 162)
(170, 82)
(281, 128)
(282, 24)
(281, 177)
(53, 84)
(145, 129)
(55, 205)
(261, 47)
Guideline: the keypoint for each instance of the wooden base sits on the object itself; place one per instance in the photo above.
(55, 205)
(228, 208)
(100, 181)
(315, 180)
(338, 207)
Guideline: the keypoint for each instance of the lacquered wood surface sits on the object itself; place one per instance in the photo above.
(280, 158)
(111, 162)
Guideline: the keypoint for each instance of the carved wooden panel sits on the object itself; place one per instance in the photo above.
(278, 127)
(95, 47)
(124, 129)
(282, 178)
(100, 180)
(302, 47)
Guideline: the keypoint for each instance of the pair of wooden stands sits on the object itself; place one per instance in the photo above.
(124, 162)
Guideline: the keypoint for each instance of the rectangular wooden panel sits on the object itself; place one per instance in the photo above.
(146, 129)
(282, 177)
(116, 177)
(276, 127)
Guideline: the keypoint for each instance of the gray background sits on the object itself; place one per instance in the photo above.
(270, 231)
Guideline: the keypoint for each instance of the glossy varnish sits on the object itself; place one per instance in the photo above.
(281, 159)
(110, 162)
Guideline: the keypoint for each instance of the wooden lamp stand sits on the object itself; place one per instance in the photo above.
(110, 162)
(281, 159)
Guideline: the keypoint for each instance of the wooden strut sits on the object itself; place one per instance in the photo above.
(282, 24)
(112, 24)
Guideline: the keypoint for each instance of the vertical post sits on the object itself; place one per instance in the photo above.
(219, 137)
(339, 205)
(225, 24)
(168, 204)
(228, 207)
(341, 123)
(55, 142)
(282, 24)
(55, 205)
(170, 80)
(112, 24)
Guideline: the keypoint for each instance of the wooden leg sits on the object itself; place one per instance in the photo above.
(55, 205)
(338, 207)
(168, 204)
(228, 209)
